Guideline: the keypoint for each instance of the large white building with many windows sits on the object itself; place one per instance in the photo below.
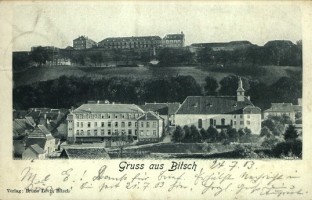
(100, 121)
(220, 112)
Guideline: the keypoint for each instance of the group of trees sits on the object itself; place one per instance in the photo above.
(283, 141)
(193, 135)
(65, 92)
(281, 53)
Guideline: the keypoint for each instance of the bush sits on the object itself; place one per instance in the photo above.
(293, 148)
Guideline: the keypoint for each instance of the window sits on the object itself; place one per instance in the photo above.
(116, 124)
(95, 124)
(234, 116)
(214, 122)
(241, 116)
(222, 121)
(147, 124)
(81, 132)
(142, 124)
(234, 122)
(102, 132)
(116, 116)
(129, 131)
(95, 132)
(248, 122)
(154, 124)
(102, 124)
(108, 116)
(88, 132)
(135, 124)
(200, 123)
(123, 116)
(154, 132)
(109, 124)
(248, 116)
(122, 124)
(241, 122)
(147, 132)
(102, 116)
(109, 132)
(116, 132)
(136, 132)
(81, 124)
(77, 124)
(129, 124)
(141, 133)
(77, 132)
(89, 124)
(211, 122)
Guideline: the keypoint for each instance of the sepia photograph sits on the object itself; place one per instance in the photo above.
(170, 81)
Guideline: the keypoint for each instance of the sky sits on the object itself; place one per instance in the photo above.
(58, 23)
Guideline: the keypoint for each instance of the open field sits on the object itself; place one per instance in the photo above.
(33, 75)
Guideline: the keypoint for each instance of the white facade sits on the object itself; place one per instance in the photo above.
(237, 121)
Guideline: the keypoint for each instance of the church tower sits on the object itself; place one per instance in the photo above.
(240, 92)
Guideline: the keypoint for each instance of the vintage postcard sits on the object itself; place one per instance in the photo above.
(155, 100)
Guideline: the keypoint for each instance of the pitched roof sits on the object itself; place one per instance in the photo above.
(126, 39)
(213, 105)
(297, 108)
(280, 107)
(150, 115)
(161, 108)
(39, 141)
(21, 125)
(36, 148)
(85, 153)
(174, 37)
(109, 108)
(41, 132)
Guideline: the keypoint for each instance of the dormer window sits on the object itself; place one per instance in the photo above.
(195, 105)
(235, 105)
(209, 104)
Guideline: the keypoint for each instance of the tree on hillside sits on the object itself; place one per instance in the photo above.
(196, 136)
(178, 134)
(229, 85)
(233, 134)
(247, 131)
(291, 133)
(204, 134)
(40, 55)
(222, 136)
(211, 85)
(188, 135)
(212, 134)
(204, 55)
(265, 132)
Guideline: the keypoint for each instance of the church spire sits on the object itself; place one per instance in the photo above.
(240, 91)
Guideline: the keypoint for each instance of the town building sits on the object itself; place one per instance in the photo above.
(42, 137)
(220, 112)
(174, 40)
(84, 153)
(33, 152)
(164, 110)
(288, 109)
(100, 121)
(150, 127)
(221, 46)
(141, 42)
(83, 42)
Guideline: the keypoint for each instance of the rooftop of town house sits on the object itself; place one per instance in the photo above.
(214, 105)
(108, 108)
